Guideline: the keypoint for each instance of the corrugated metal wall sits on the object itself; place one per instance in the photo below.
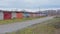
(1, 15)
(38, 15)
(26, 15)
(19, 15)
(31, 15)
(7, 15)
(34, 15)
(13, 15)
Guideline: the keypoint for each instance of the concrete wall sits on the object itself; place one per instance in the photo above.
(1, 16)
(13, 15)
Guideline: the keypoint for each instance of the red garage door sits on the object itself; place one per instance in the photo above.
(19, 15)
(7, 15)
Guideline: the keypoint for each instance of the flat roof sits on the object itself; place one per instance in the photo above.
(20, 11)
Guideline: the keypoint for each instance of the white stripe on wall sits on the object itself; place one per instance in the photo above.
(1, 16)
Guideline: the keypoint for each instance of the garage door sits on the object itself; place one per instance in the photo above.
(7, 15)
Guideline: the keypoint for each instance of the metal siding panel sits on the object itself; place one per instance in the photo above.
(19, 15)
(1, 15)
(31, 15)
(7, 15)
(34, 15)
(26, 14)
(13, 15)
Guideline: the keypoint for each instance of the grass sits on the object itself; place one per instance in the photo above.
(41, 28)
(15, 20)
(10, 21)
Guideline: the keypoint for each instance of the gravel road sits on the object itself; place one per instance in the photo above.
(16, 26)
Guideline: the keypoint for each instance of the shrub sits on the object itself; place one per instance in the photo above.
(57, 25)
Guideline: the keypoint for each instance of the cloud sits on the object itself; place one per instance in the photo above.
(6, 3)
(29, 3)
(55, 2)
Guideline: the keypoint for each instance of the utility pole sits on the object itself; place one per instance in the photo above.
(56, 13)
(39, 8)
(39, 11)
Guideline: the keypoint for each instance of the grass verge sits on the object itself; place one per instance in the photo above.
(15, 20)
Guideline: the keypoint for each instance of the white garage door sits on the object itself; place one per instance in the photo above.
(13, 15)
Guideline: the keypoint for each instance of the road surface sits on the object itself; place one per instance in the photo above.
(16, 26)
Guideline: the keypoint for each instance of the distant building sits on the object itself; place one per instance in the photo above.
(50, 12)
(58, 12)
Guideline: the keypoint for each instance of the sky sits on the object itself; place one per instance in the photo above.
(30, 4)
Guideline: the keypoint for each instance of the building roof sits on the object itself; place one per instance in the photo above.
(22, 11)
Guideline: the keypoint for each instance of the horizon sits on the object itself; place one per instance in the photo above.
(16, 9)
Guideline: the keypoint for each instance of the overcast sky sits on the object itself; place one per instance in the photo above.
(29, 4)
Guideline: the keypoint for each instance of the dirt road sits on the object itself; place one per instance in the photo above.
(15, 26)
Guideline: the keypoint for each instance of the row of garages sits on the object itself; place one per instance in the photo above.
(4, 15)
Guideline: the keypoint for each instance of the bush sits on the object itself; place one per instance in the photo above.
(57, 16)
(14, 17)
(56, 25)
